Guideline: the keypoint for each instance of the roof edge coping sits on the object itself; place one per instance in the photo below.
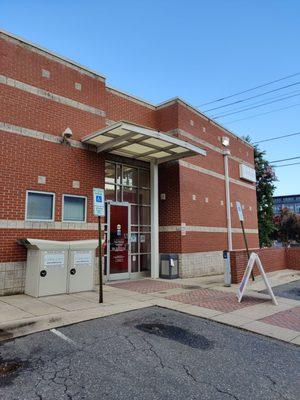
(52, 53)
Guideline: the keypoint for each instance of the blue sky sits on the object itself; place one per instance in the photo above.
(197, 50)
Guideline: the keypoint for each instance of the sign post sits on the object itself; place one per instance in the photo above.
(241, 218)
(99, 211)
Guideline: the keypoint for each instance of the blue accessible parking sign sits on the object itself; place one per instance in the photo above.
(98, 202)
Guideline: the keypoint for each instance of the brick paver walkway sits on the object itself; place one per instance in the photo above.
(146, 285)
(289, 319)
(214, 299)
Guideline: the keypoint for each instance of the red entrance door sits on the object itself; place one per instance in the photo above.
(118, 239)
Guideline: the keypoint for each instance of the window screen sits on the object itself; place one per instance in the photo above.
(40, 206)
(74, 208)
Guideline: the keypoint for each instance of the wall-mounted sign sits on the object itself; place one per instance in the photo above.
(133, 238)
(142, 239)
(240, 211)
(98, 202)
(247, 173)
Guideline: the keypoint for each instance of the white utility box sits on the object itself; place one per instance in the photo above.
(81, 265)
(55, 267)
(46, 270)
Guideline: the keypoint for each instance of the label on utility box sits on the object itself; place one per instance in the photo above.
(54, 259)
(82, 258)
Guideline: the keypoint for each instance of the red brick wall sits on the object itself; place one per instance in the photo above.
(170, 242)
(30, 111)
(198, 211)
(273, 259)
(212, 133)
(167, 117)
(22, 160)
(10, 250)
(60, 164)
(120, 107)
(293, 257)
(19, 62)
(169, 184)
(212, 213)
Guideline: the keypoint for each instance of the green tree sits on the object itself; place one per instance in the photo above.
(265, 178)
(288, 227)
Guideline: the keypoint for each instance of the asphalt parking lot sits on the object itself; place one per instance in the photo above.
(289, 290)
(151, 353)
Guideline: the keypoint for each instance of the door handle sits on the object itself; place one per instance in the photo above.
(43, 273)
(72, 271)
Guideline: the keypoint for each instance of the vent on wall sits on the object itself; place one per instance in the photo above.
(45, 73)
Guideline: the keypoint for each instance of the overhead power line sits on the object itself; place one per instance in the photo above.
(249, 90)
(253, 107)
(285, 165)
(253, 97)
(278, 97)
(285, 159)
(278, 137)
(261, 114)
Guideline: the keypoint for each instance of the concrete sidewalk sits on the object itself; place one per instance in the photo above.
(205, 297)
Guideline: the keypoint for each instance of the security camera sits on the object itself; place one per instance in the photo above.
(67, 134)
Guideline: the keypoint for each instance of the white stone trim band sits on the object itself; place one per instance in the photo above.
(48, 137)
(214, 174)
(207, 229)
(90, 226)
(208, 145)
(20, 224)
(50, 96)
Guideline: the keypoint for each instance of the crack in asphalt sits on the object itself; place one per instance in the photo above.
(270, 379)
(57, 377)
(191, 376)
(153, 351)
(130, 342)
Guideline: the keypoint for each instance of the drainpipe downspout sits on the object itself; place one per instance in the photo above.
(226, 153)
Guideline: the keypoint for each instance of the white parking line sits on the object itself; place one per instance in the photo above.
(62, 336)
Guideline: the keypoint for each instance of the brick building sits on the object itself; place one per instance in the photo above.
(291, 202)
(171, 174)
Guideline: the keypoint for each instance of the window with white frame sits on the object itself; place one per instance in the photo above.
(74, 208)
(39, 206)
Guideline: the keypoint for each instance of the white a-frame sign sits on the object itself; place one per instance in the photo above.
(254, 259)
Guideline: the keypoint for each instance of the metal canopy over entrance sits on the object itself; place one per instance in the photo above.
(135, 141)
